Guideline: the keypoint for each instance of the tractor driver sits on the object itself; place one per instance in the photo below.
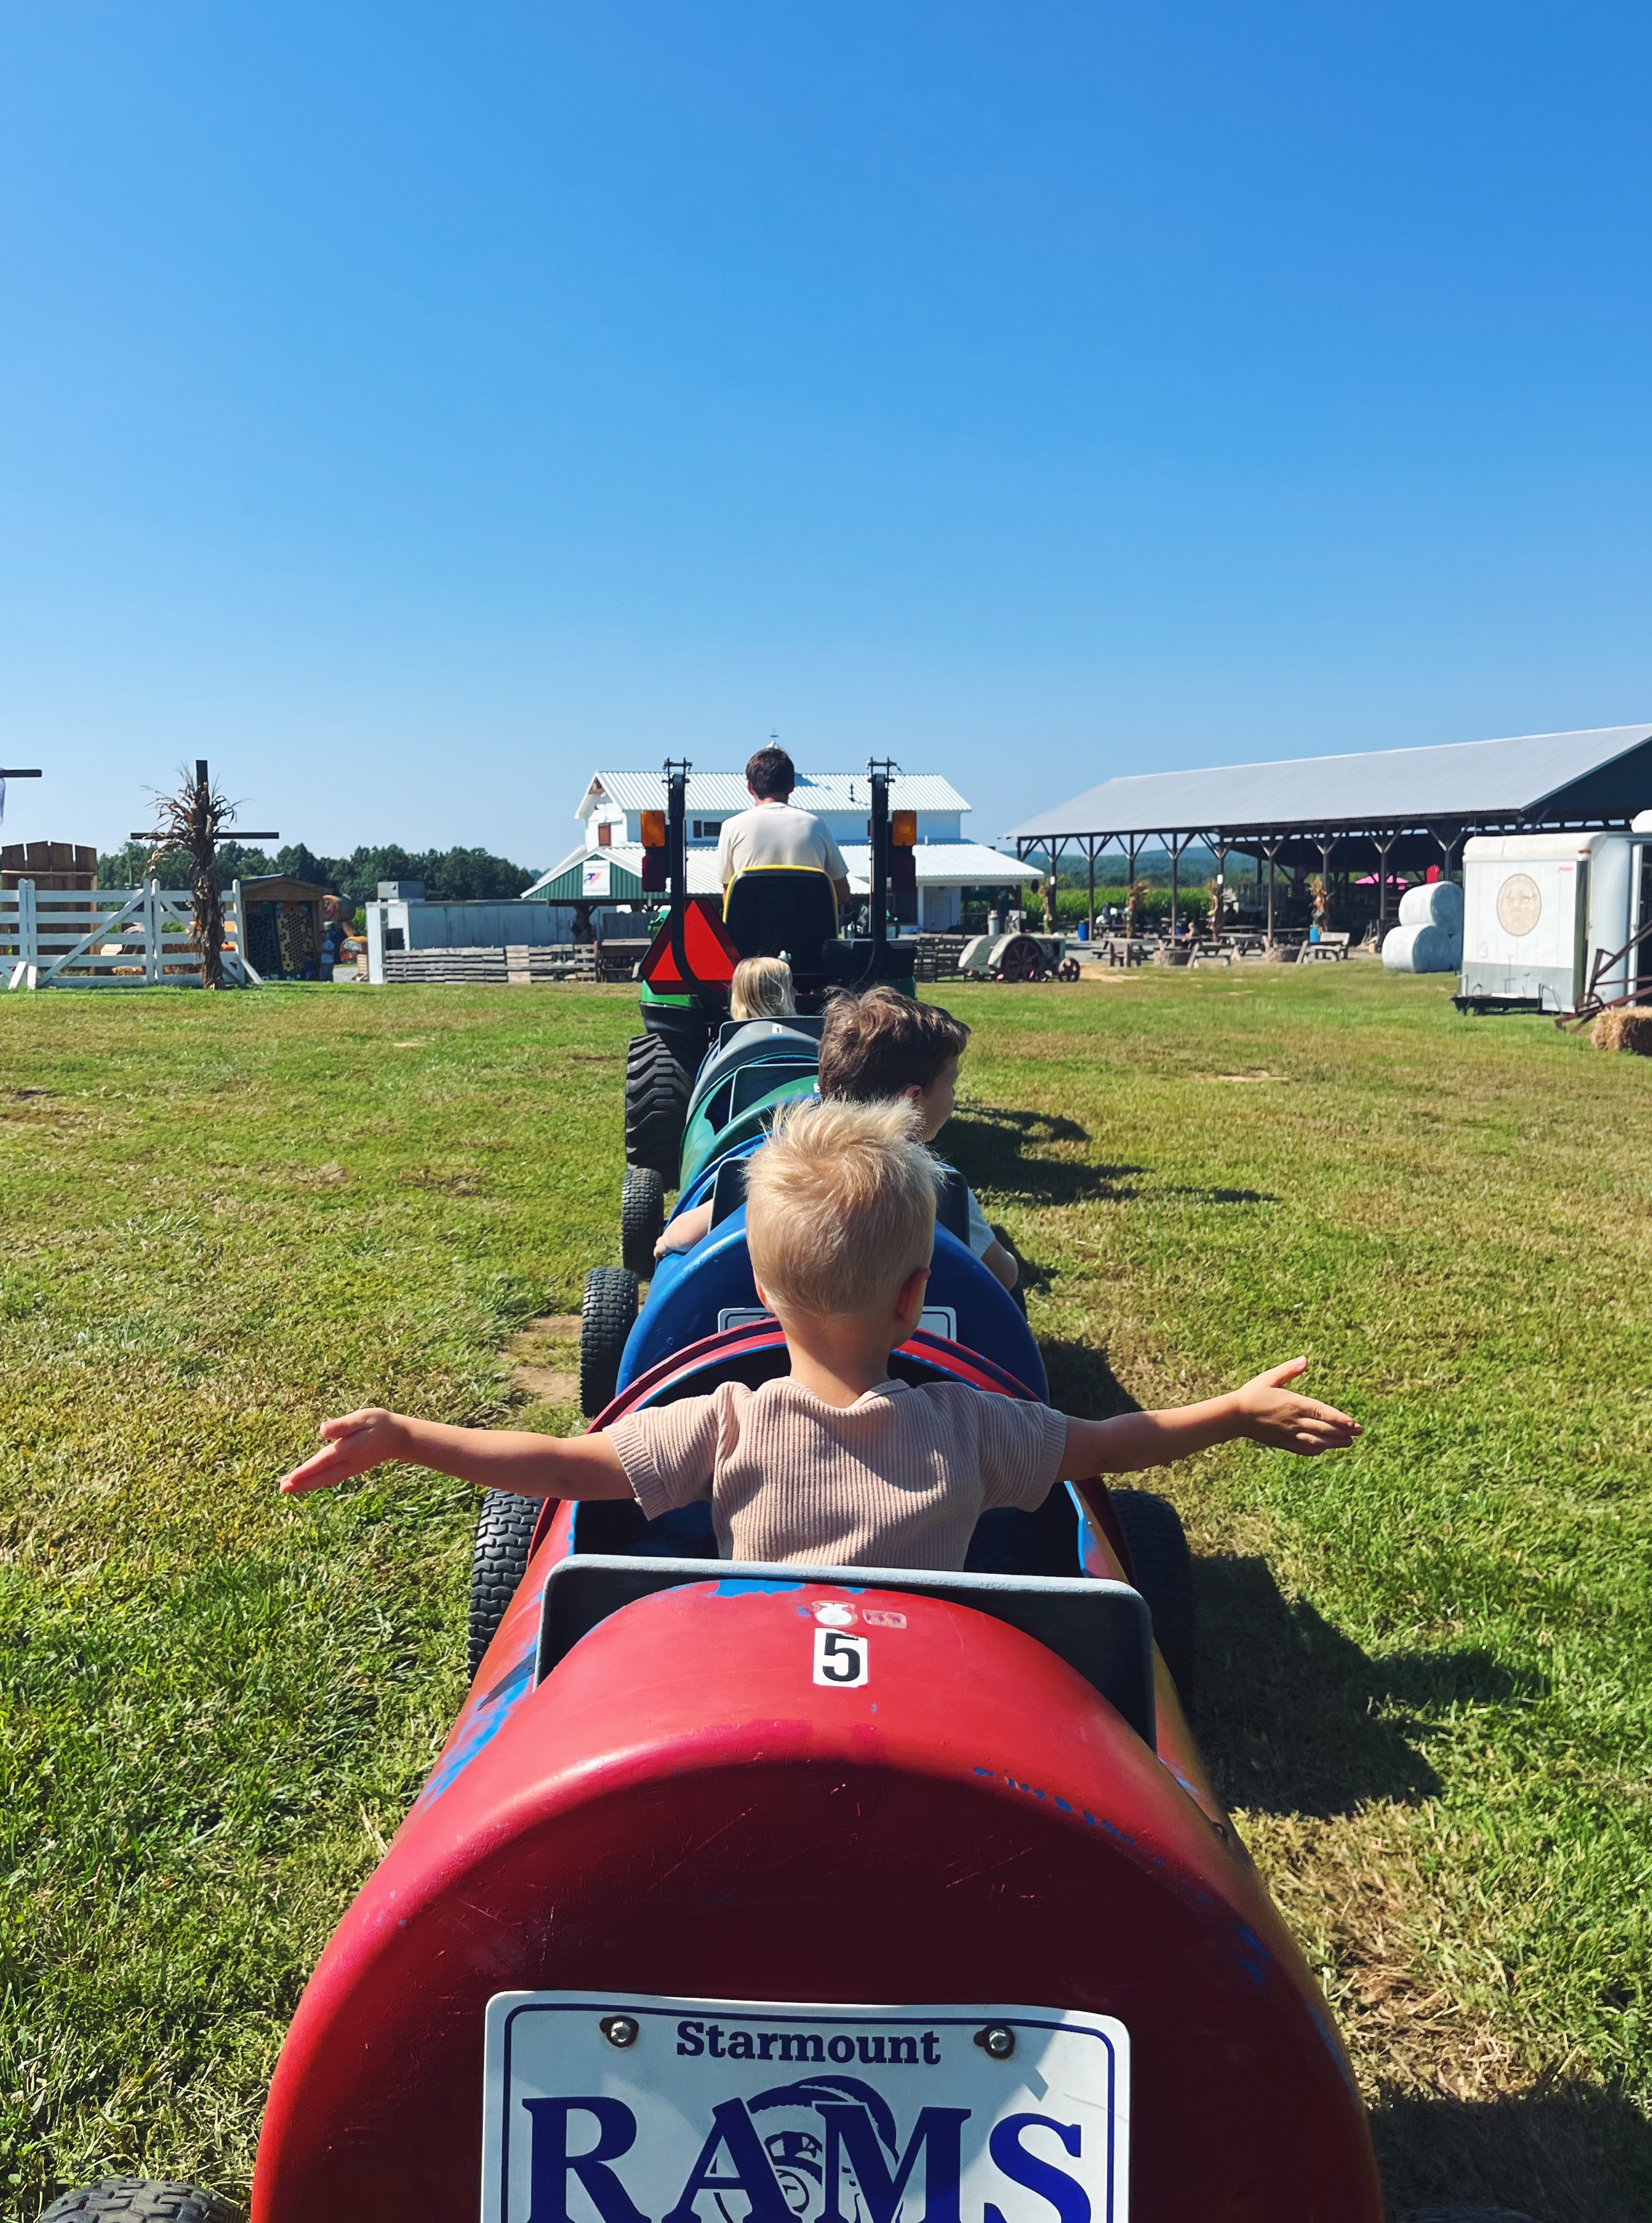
(772, 833)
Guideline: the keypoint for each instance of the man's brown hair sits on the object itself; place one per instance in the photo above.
(874, 1045)
(770, 775)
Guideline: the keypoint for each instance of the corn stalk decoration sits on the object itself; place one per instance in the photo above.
(195, 820)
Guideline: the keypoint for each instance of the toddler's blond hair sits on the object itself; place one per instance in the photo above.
(840, 1205)
(762, 988)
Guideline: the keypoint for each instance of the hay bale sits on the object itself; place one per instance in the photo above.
(1434, 903)
(1629, 1028)
(1421, 949)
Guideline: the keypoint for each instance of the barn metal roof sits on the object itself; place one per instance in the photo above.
(726, 791)
(1603, 773)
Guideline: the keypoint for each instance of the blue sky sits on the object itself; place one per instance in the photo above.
(412, 407)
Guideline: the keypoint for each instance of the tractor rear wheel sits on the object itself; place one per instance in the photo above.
(642, 1218)
(1022, 960)
(605, 1319)
(141, 2200)
(1163, 1567)
(657, 1108)
(505, 1529)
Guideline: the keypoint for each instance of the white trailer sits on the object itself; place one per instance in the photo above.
(1548, 919)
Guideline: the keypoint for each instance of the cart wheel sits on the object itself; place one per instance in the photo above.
(1068, 969)
(642, 1218)
(656, 1106)
(1163, 1567)
(503, 1530)
(606, 1320)
(1022, 960)
(142, 2200)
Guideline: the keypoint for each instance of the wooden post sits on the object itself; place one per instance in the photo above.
(1271, 850)
(1383, 849)
(152, 933)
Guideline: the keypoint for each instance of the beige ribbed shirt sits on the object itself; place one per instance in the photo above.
(897, 1479)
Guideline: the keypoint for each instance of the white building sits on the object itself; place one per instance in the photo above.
(607, 865)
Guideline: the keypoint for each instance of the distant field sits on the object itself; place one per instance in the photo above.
(1425, 1671)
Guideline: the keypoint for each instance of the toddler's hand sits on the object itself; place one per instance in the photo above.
(357, 1442)
(1270, 1414)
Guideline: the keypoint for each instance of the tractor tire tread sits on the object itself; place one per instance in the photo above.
(504, 1530)
(642, 1218)
(606, 1317)
(656, 1110)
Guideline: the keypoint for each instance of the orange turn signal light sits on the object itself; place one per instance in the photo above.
(654, 829)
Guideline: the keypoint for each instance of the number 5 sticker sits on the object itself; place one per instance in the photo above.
(840, 1659)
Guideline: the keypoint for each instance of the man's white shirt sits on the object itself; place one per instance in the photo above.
(772, 834)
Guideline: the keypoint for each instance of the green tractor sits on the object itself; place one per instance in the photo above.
(685, 976)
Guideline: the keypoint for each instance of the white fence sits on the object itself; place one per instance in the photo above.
(112, 938)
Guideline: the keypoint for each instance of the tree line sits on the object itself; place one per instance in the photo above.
(449, 875)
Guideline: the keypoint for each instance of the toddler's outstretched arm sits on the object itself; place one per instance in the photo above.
(1264, 1410)
(498, 1458)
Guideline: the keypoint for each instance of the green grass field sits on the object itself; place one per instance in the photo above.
(1424, 1669)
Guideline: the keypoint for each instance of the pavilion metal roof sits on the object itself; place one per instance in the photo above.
(1605, 772)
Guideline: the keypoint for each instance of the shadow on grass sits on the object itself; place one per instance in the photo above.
(996, 1150)
(1569, 2154)
(1081, 1381)
(1295, 1717)
(1221, 1195)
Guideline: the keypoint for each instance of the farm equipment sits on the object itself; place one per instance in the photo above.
(1019, 957)
(775, 1893)
(686, 973)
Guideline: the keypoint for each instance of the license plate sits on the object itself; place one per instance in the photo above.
(631, 2108)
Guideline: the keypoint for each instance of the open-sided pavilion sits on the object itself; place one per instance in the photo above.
(1388, 812)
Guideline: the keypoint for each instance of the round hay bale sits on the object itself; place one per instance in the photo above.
(1421, 949)
(1437, 902)
(1629, 1028)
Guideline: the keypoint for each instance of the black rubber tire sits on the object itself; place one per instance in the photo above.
(1069, 969)
(1164, 1574)
(142, 2200)
(605, 1319)
(505, 1529)
(656, 1110)
(642, 1218)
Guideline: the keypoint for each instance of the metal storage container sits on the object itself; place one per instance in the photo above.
(1547, 916)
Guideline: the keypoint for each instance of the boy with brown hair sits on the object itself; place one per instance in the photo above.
(882, 1047)
(835, 1464)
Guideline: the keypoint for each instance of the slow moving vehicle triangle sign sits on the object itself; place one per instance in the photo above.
(711, 956)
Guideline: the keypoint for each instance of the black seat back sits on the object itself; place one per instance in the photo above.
(1102, 1630)
(782, 911)
(952, 1203)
